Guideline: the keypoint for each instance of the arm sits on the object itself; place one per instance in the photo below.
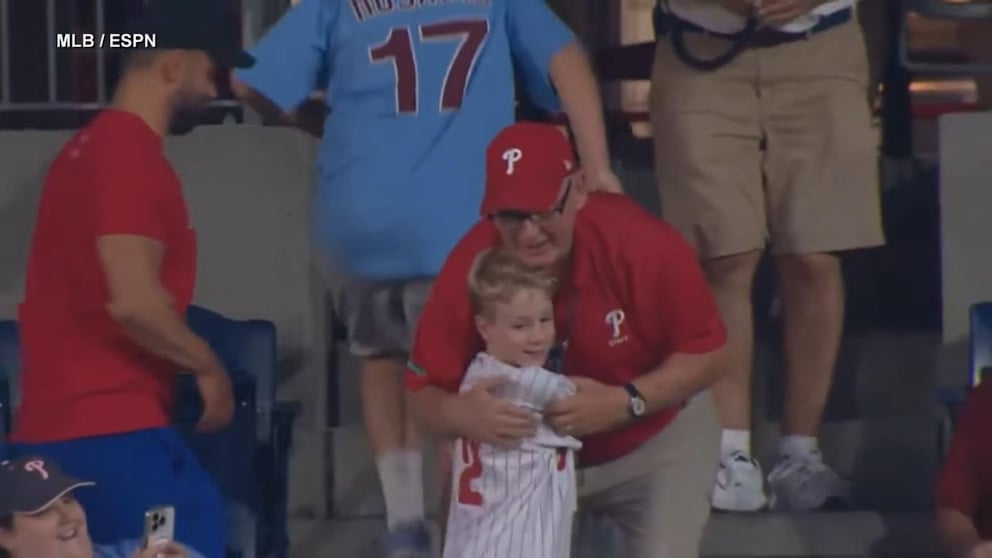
(578, 89)
(678, 378)
(544, 48)
(684, 321)
(131, 232)
(142, 307)
(957, 532)
(290, 67)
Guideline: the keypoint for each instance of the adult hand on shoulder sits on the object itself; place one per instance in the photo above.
(601, 181)
(595, 407)
(981, 550)
(214, 386)
(483, 417)
(163, 550)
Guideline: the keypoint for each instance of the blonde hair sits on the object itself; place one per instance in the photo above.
(496, 277)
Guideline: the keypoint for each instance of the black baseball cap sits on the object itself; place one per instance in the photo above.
(205, 25)
(29, 485)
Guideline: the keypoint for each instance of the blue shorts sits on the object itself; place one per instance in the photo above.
(135, 471)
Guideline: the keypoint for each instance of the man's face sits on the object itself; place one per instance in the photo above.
(57, 532)
(542, 240)
(194, 86)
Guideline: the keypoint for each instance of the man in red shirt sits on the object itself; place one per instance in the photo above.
(964, 486)
(638, 333)
(110, 273)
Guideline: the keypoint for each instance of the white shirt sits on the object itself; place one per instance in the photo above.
(709, 14)
(532, 388)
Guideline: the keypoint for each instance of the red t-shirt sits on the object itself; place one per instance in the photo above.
(81, 374)
(965, 480)
(636, 295)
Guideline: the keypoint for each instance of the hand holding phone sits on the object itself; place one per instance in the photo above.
(160, 526)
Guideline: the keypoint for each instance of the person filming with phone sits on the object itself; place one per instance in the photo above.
(41, 518)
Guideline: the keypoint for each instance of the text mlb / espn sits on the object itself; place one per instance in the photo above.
(105, 40)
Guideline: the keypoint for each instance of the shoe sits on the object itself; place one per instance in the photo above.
(805, 483)
(739, 484)
(409, 540)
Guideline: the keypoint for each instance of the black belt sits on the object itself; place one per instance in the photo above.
(751, 36)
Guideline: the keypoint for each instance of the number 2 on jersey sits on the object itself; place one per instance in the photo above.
(398, 48)
(472, 471)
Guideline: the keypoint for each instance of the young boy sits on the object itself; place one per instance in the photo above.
(517, 501)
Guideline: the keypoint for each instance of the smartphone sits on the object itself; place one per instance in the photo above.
(160, 526)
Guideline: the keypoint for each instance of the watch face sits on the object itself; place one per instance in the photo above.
(637, 406)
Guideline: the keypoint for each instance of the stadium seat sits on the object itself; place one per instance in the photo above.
(980, 341)
(952, 398)
(249, 459)
(259, 499)
(9, 365)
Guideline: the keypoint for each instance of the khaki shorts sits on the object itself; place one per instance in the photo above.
(776, 146)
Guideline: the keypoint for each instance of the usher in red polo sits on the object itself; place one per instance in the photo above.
(965, 481)
(637, 293)
(81, 374)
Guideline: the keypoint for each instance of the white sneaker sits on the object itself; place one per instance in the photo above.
(739, 484)
(804, 484)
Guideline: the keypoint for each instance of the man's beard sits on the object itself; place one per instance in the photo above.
(186, 116)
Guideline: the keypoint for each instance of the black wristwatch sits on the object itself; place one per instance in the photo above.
(636, 406)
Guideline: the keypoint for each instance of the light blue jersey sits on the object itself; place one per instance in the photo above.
(417, 89)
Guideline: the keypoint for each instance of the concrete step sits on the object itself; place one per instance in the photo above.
(890, 462)
(765, 535)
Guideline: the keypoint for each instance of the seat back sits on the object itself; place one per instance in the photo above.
(244, 346)
(10, 365)
(980, 341)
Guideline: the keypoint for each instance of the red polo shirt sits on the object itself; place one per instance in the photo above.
(965, 480)
(81, 374)
(637, 293)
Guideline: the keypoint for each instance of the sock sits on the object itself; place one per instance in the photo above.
(793, 446)
(401, 475)
(732, 441)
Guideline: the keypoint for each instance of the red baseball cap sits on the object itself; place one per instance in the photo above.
(526, 166)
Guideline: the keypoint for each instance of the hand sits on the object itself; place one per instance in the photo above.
(480, 416)
(214, 385)
(780, 12)
(161, 550)
(595, 407)
(981, 550)
(601, 181)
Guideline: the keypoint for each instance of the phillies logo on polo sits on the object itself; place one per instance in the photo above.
(511, 157)
(614, 319)
(37, 467)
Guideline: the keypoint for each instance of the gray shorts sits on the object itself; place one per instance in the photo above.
(380, 317)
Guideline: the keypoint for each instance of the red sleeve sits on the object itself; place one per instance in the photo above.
(958, 485)
(445, 339)
(668, 280)
(131, 181)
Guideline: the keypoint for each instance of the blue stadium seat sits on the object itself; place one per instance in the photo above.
(249, 352)
(9, 365)
(980, 341)
(953, 398)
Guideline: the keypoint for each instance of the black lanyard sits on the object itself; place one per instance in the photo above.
(556, 357)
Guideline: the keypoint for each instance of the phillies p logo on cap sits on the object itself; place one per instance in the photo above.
(510, 157)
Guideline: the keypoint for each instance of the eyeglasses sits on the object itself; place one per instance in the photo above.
(515, 218)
